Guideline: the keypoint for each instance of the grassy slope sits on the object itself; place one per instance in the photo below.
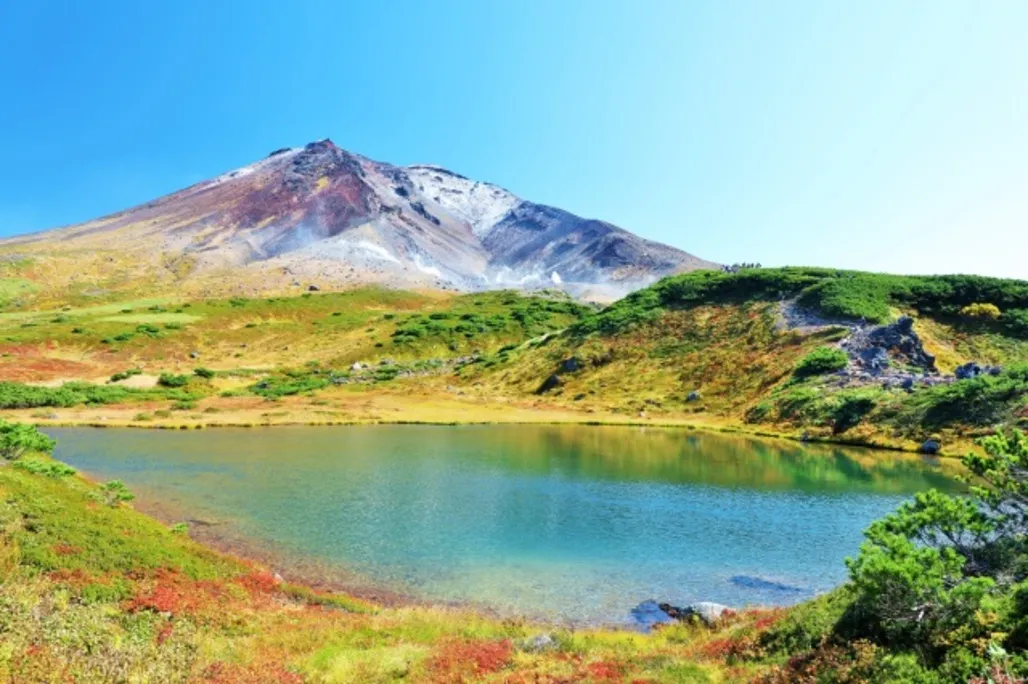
(92, 593)
(720, 335)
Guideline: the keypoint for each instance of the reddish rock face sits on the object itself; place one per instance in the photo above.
(320, 189)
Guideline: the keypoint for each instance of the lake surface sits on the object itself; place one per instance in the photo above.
(573, 523)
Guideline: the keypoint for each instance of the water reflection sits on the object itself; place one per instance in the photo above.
(561, 521)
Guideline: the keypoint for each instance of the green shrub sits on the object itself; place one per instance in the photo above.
(940, 574)
(38, 466)
(981, 310)
(829, 292)
(171, 380)
(18, 438)
(205, 373)
(125, 374)
(114, 493)
(820, 361)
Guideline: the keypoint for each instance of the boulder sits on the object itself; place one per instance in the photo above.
(313, 288)
(968, 371)
(931, 447)
(570, 365)
(550, 383)
(972, 370)
(707, 611)
(694, 396)
(649, 614)
(875, 349)
(539, 643)
(194, 354)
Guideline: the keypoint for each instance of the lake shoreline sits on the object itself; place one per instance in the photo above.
(275, 499)
(539, 417)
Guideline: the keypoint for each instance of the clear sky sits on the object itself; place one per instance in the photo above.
(876, 135)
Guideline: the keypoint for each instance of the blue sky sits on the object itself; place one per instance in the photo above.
(877, 135)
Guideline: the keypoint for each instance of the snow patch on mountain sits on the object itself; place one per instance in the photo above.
(480, 205)
(378, 251)
(251, 168)
(430, 270)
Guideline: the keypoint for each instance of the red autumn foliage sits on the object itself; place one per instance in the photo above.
(258, 582)
(459, 661)
(767, 621)
(76, 578)
(62, 549)
(172, 592)
(605, 671)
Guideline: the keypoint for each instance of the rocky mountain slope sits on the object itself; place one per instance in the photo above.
(319, 215)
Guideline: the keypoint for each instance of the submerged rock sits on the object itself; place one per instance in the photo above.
(750, 582)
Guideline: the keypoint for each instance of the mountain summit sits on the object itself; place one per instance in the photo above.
(319, 215)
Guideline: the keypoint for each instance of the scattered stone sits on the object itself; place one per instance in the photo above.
(356, 366)
(694, 396)
(313, 288)
(194, 354)
(931, 447)
(539, 643)
(972, 370)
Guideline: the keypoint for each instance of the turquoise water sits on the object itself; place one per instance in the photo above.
(570, 523)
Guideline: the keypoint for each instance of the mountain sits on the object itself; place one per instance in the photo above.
(319, 215)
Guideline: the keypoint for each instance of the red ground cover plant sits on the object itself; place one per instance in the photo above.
(174, 593)
(258, 582)
(462, 661)
(605, 671)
